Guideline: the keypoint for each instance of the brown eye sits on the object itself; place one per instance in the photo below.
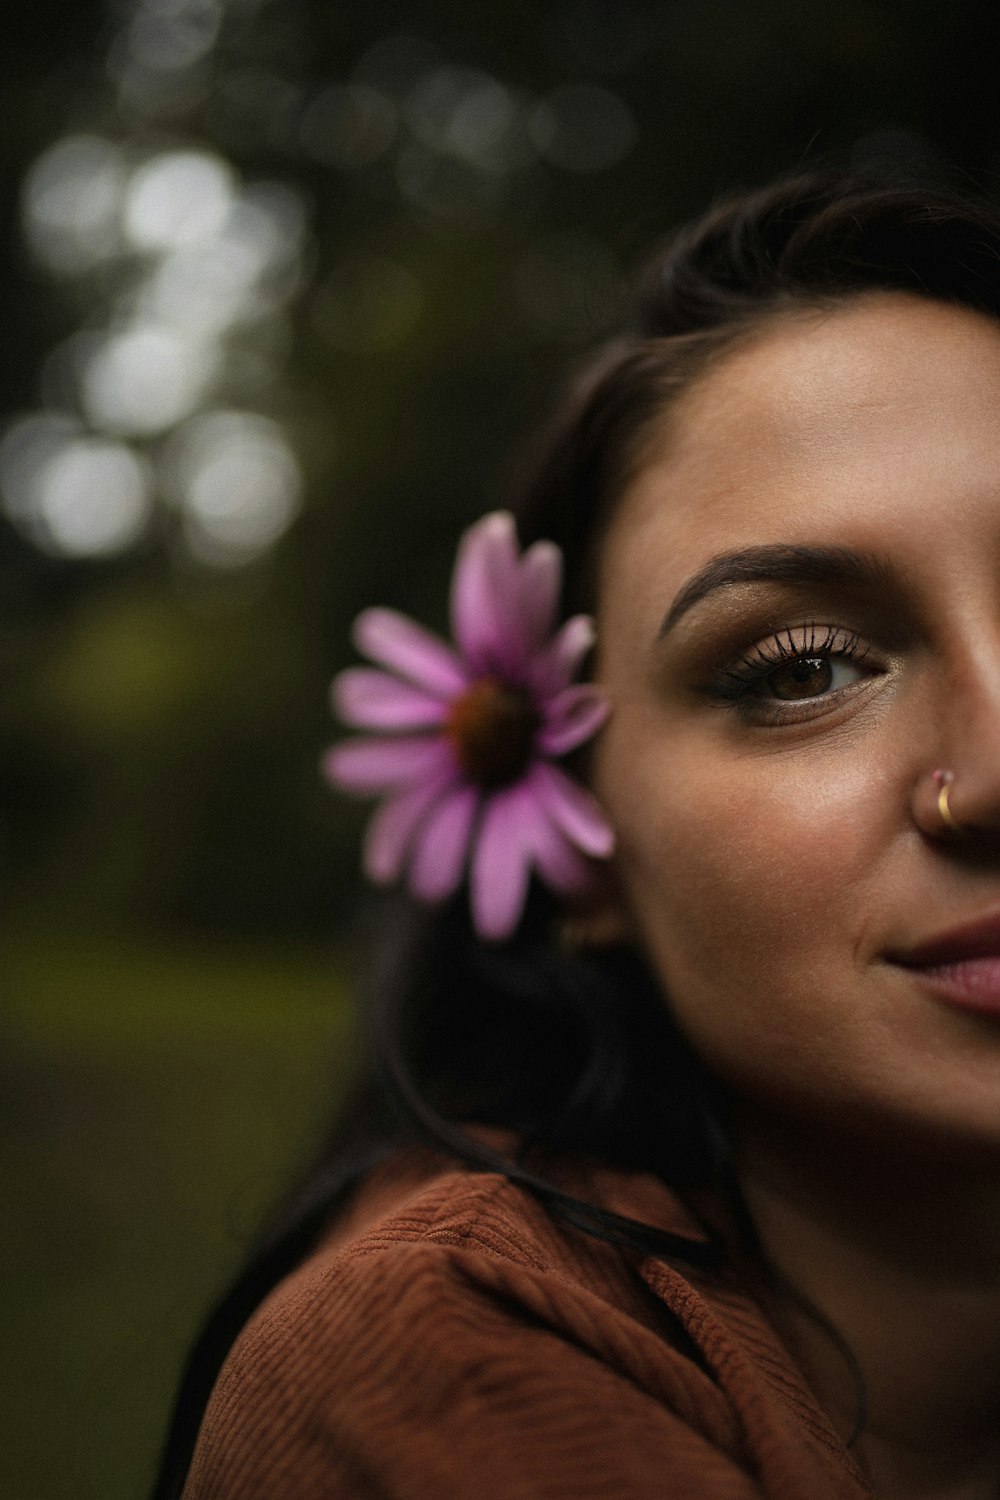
(806, 678)
(806, 666)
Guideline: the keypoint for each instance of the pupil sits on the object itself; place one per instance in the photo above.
(802, 679)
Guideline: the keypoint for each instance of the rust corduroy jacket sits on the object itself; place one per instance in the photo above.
(450, 1341)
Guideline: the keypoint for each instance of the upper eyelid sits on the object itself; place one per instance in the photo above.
(823, 640)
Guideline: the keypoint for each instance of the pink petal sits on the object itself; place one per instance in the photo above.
(559, 863)
(572, 717)
(442, 844)
(554, 668)
(572, 808)
(500, 866)
(374, 700)
(389, 835)
(400, 643)
(368, 766)
(540, 583)
(485, 596)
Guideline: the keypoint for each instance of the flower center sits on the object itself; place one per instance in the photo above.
(492, 727)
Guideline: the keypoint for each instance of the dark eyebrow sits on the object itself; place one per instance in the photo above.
(778, 563)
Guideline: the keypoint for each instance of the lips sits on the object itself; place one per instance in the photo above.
(961, 966)
(975, 940)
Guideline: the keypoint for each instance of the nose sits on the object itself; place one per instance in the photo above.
(958, 796)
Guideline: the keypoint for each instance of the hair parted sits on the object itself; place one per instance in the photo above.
(577, 1053)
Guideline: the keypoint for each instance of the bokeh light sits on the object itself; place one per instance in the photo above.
(583, 128)
(144, 378)
(71, 203)
(197, 270)
(466, 112)
(94, 498)
(74, 494)
(160, 59)
(170, 35)
(25, 448)
(245, 270)
(236, 482)
(486, 126)
(178, 197)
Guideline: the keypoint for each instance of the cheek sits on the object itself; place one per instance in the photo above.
(745, 876)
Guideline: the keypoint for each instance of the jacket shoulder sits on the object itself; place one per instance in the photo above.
(448, 1339)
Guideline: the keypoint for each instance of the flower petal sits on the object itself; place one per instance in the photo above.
(375, 700)
(500, 866)
(390, 832)
(485, 596)
(559, 863)
(368, 766)
(555, 667)
(398, 642)
(572, 808)
(442, 844)
(540, 584)
(572, 717)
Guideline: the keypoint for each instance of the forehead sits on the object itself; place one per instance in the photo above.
(871, 425)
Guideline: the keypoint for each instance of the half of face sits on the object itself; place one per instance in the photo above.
(799, 619)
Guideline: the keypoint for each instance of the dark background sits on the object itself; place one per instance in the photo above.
(457, 201)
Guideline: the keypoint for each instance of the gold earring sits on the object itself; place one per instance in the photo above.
(944, 781)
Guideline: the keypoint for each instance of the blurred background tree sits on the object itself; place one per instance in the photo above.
(285, 284)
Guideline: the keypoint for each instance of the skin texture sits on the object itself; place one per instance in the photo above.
(774, 860)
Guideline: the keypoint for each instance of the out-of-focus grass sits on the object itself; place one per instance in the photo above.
(154, 1100)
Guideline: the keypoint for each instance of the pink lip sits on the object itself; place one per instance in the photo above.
(961, 966)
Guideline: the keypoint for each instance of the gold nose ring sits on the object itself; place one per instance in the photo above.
(944, 780)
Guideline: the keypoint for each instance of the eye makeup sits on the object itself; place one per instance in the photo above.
(794, 673)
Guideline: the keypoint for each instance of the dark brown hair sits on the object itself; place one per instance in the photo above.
(810, 241)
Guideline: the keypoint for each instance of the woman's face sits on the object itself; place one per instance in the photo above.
(777, 719)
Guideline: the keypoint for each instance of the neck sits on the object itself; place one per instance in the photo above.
(898, 1250)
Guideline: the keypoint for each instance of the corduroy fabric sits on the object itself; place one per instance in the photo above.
(450, 1339)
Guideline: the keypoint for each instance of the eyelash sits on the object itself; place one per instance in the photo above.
(737, 682)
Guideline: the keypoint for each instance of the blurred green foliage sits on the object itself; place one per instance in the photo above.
(154, 1098)
(179, 890)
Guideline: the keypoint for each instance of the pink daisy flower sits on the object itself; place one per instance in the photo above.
(467, 737)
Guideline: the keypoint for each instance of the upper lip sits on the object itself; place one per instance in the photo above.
(979, 939)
